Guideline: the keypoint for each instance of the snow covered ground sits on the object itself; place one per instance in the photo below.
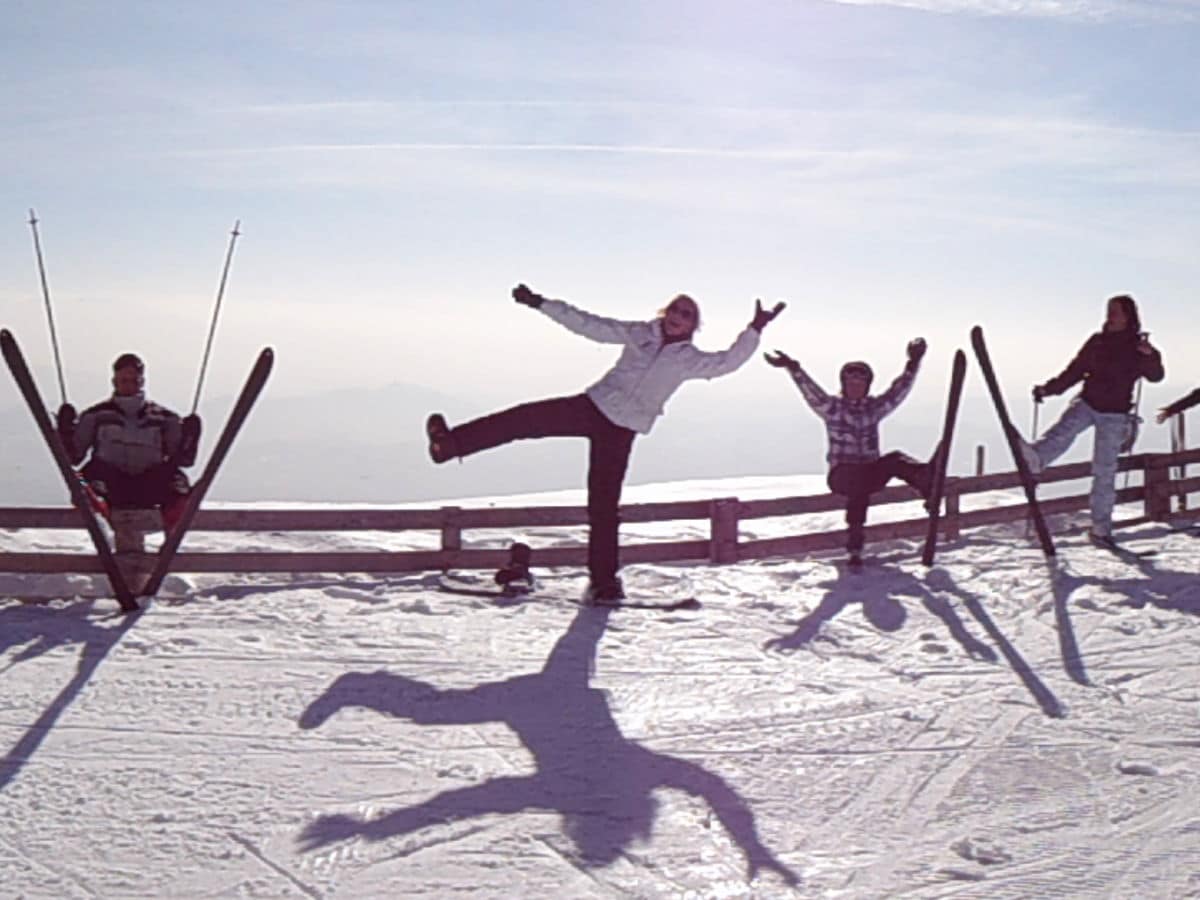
(994, 727)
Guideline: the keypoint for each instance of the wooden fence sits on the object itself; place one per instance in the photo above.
(723, 545)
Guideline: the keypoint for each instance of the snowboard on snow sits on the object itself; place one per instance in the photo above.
(514, 583)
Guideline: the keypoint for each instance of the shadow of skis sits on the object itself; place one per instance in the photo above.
(96, 644)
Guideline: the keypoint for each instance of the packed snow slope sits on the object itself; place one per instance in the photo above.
(997, 726)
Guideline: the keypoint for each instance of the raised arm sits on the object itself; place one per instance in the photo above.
(809, 389)
(899, 388)
(595, 328)
(711, 365)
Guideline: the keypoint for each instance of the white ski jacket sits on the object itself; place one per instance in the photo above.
(632, 393)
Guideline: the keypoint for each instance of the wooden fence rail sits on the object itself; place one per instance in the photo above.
(723, 545)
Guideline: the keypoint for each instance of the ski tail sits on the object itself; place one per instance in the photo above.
(1013, 437)
(958, 373)
(237, 417)
(79, 497)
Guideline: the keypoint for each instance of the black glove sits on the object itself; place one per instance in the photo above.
(782, 361)
(65, 419)
(522, 294)
(189, 440)
(65, 422)
(762, 317)
(1039, 393)
(916, 349)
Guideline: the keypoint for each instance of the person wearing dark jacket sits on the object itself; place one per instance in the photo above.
(852, 420)
(1178, 406)
(1109, 364)
(656, 358)
(136, 447)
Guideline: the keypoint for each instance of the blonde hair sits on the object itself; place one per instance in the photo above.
(695, 308)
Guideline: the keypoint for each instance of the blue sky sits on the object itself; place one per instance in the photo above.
(891, 169)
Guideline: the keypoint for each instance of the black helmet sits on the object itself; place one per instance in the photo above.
(856, 368)
(129, 361)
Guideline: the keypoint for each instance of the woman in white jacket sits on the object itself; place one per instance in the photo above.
(658, 357)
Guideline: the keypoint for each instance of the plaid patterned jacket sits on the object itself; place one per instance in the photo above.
(853, 425)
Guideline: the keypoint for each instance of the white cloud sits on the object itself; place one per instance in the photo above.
(1162, 11)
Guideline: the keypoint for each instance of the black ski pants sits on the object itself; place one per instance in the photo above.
(608, 458)
(857, 481)
(148, 490)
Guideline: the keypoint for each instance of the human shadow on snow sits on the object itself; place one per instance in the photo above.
(38, 630)
(600, 782)
(884, 611)
(1147, 584)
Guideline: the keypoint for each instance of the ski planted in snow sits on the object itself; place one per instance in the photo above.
(1013, 437)
(241, 410)
(79, 498)
(958, 374)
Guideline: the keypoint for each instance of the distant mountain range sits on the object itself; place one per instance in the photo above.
(368, 446)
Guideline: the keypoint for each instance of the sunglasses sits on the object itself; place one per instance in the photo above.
(857, 372)
(682, 310)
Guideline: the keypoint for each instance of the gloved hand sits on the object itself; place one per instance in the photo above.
(1039, 393)
(65, 423)
(189, 440)
(916, 349)
(762, 317)
(65, 419)
(522, 294)
(782, 361)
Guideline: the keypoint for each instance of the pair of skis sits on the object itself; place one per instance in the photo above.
(1011, 435)
(79, 499)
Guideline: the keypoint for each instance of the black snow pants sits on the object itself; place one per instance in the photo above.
(857, 481)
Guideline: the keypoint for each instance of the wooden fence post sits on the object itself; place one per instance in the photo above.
(979, 459)
(723, 520)
(950, 520)
(451, 531)
(1155, 480)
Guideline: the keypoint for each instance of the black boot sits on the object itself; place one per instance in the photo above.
(442, 446)
(606, 593)
(515, 577)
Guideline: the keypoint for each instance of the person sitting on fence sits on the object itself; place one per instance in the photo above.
(852, 420)
(1178, 406)
(1109, 364)
(138, 448)
(657, 357)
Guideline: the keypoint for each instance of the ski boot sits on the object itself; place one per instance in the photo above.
(515, 577)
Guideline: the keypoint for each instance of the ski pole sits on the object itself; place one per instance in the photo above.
(37, 247)
(1133, 424)
(212, 329)
(1036, 410)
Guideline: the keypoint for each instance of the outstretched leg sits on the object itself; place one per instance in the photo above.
(1058, 438)
(557, 417)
